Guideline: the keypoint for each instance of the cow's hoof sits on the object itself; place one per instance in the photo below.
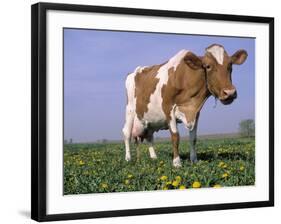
(177, 162)
(194, 161)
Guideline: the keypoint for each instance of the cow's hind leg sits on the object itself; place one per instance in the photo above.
(127, 131)
(150, 146)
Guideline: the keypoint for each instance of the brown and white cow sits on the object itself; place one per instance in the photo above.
(160, 96)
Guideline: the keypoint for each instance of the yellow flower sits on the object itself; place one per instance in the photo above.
(196, 184)
(242, 168)
(178, 178)
(224, 166)
(130, 176)
(182, 187)
(175, 183)
(104, 185)
(221, 164)
(165, 188)
(127, 182)
(225, 175)
(168, 183)
(163, 178)
(217, 186)
(161, 162)
(81, 162)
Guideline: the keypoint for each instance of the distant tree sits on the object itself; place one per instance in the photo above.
(65, 141)
(247, 128)
(70, 141)
(104, 140)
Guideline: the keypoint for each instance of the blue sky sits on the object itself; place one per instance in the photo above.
(96, 64)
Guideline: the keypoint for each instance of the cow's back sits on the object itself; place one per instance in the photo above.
(144, 90)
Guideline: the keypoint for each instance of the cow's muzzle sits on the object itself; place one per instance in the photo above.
(228, 96)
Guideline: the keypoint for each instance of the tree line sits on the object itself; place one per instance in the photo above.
(247, 128)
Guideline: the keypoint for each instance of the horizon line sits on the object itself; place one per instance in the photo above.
(185, 137)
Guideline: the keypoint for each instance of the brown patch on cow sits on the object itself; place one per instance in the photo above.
(168, 93)
(145, 82)
(175, 137)
(186, 88)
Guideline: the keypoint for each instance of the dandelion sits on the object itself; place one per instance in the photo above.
(127, 182)
(196, 184)
(104, 185)
(130, 176)
(182, 187)
(175, 183)
(225, 175)
(178, 178)
(161, 163)
(217, 186)
(165, 188)
(81, 162)
(221, 164)
(168, 183)
(163, 178)
(241, 168)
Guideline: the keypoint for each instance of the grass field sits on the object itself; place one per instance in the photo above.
(92, 168)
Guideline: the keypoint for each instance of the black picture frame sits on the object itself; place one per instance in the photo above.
(39, 122)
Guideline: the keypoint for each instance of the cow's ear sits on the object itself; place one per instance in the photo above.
(193, 61)
(239, 57)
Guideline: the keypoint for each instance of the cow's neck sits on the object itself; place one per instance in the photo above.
(193, 93)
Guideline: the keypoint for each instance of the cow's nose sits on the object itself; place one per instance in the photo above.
(229, 93)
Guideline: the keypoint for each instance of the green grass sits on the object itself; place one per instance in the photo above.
(92, 168)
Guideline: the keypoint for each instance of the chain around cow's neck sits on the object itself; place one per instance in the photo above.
(216, 102)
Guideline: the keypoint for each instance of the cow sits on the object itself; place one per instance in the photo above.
(161, 96)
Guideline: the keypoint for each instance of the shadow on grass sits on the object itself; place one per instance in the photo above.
(209, 156)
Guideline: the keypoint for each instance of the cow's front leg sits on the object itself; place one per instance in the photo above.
(192, 142)
(176, 157)
(175, 137)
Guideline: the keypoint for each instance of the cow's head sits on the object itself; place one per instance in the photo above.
(218, 68)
